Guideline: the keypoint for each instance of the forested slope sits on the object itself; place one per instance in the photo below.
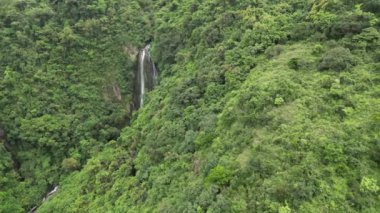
(66, 73)
(263, 106)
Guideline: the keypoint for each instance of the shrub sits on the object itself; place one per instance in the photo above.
(273, 51)
(219, 175)
(369, 185)
(372, 6)
(293, 63)
(318, 49)
(204, 139)
(350, 25)
(278, 101)
(337, 59)
(70, 164)
(299, 63)
(376, 57)
(369, 39)
(318, 36)
(285, 209)
(303, 30)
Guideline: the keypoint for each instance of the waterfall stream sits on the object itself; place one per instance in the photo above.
(146, 76)
(142, 77)
(48, 195)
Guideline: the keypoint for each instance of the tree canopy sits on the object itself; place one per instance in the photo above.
(262, 106)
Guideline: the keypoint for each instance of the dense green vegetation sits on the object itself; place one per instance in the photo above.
(65, 89)
(263, 106)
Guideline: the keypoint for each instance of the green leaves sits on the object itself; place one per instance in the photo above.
(243, 120)
(337, 59)
(54, 73)
(70, 164)
(369, 185)
(219, 175)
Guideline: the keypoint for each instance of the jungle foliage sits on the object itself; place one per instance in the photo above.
(263, 106)
(65, 89)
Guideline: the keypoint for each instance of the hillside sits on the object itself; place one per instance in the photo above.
(262, 106)
(66, 85)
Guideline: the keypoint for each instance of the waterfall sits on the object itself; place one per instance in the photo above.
(51, 193)
(142, 77)
(146, 76)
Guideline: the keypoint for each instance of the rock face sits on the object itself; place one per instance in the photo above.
(146, 77)
(2, 133)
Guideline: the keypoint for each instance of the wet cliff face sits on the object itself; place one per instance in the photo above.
(146, 77)
(2, 133)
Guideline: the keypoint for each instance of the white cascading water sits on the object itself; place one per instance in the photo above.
(147, 75)
(51, 193)
(142, 76)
